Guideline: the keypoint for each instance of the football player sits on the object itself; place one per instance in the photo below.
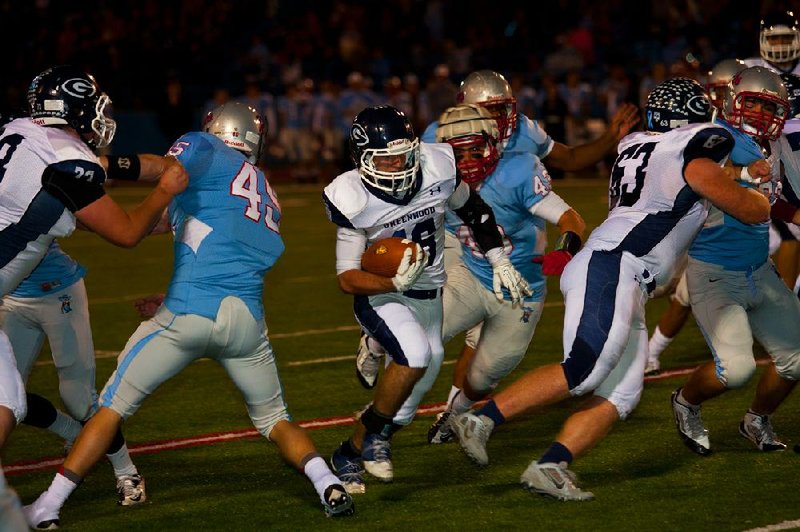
(518, 134)
(402, 188)
(212, 309)
(518, 189)
(779, 44)
(656, 193)
(674, 318)
(735, 291)
(50, 177)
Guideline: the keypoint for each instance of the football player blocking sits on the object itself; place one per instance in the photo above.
(657, 186)
(401, 188)
(211, 310)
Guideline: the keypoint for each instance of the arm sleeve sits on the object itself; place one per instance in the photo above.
(75, 183)
(350, 245)
(713, 143)
(478, 216)
(550, 208)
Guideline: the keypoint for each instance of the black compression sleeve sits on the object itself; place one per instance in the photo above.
(479, 217)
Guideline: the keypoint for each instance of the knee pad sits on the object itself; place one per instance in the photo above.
(736, 372)
(266, 416)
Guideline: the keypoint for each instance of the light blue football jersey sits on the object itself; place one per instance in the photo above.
(724, 240)
(528, 137)
(56, 271)
(226, 227)
(518, 183)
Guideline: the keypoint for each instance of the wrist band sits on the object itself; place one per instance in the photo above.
(124, 167)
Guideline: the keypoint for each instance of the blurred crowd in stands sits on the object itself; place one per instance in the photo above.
(310, 66)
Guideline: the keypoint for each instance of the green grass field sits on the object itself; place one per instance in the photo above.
(642, 475)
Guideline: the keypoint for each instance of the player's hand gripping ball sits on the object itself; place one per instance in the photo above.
(384, 256)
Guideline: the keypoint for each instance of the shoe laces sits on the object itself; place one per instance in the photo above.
(380, 449)
(763, 428)
(128, 485)
(693, 419)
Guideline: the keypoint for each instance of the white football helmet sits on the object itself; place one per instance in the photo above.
(780, 38)
(491, 91)
(757, 83)
(466, 126)
(239, 126)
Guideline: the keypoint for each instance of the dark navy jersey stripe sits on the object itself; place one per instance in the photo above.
(335, 214)
(378, 329)
(655, 227)
(602, 278)
(42, 214)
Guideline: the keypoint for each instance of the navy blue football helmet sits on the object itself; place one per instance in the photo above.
(792, 83)
(676, 102)
(385, 151)
(66, 95)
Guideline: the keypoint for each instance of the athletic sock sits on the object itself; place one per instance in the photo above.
(66, 427)
(64, 483)
(556, 454)
(122, 463)
(454, 390)
(320, 475)
(461, 403)
(658, 343)
(491, 411)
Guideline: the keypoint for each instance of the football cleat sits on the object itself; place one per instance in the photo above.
(758, 429)
(473, 434)
(554, 480)
(338, 502)
(40, 518)
(690, 426)
(350, 470)
(440, 431)
(377, 456)
(130, 489)
(367, 363)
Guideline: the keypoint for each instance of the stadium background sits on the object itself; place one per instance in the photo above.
(309, 66)
(644, 478)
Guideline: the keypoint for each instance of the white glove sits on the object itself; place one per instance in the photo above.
(505, 274)
(408, 272)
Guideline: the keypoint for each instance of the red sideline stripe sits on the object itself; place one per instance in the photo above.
(42, 464)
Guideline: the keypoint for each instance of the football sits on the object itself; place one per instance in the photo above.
(384, 256)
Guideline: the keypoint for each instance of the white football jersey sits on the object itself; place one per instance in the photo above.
(758, 61)
(30, 217)
(790, 152)
(654, 214)
(351, 205)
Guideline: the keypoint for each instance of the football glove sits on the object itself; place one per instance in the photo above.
(408, 272)
(147, 306)
(554, 262)
(506, 275)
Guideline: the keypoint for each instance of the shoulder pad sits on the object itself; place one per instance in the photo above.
(347, 195)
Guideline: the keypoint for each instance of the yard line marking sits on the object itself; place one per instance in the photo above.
(786, 525)
(42, 464)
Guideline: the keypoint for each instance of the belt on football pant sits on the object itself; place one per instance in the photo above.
(423, 294)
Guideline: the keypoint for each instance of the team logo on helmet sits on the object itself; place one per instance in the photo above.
(79, 88)
(359, 135)
(698, 104)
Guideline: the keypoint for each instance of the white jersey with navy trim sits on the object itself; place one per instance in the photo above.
(758, 61)
(30, 217)
(790, 153)
(654, 214)
(351, 205)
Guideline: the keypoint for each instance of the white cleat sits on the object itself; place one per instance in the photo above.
(758, 429)
(39, 517)
(554, 480)
(473, 434)
(130, 489)
(690, 426)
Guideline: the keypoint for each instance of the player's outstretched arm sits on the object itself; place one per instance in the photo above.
(106, 218)
(572, 158)
(709, 180)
